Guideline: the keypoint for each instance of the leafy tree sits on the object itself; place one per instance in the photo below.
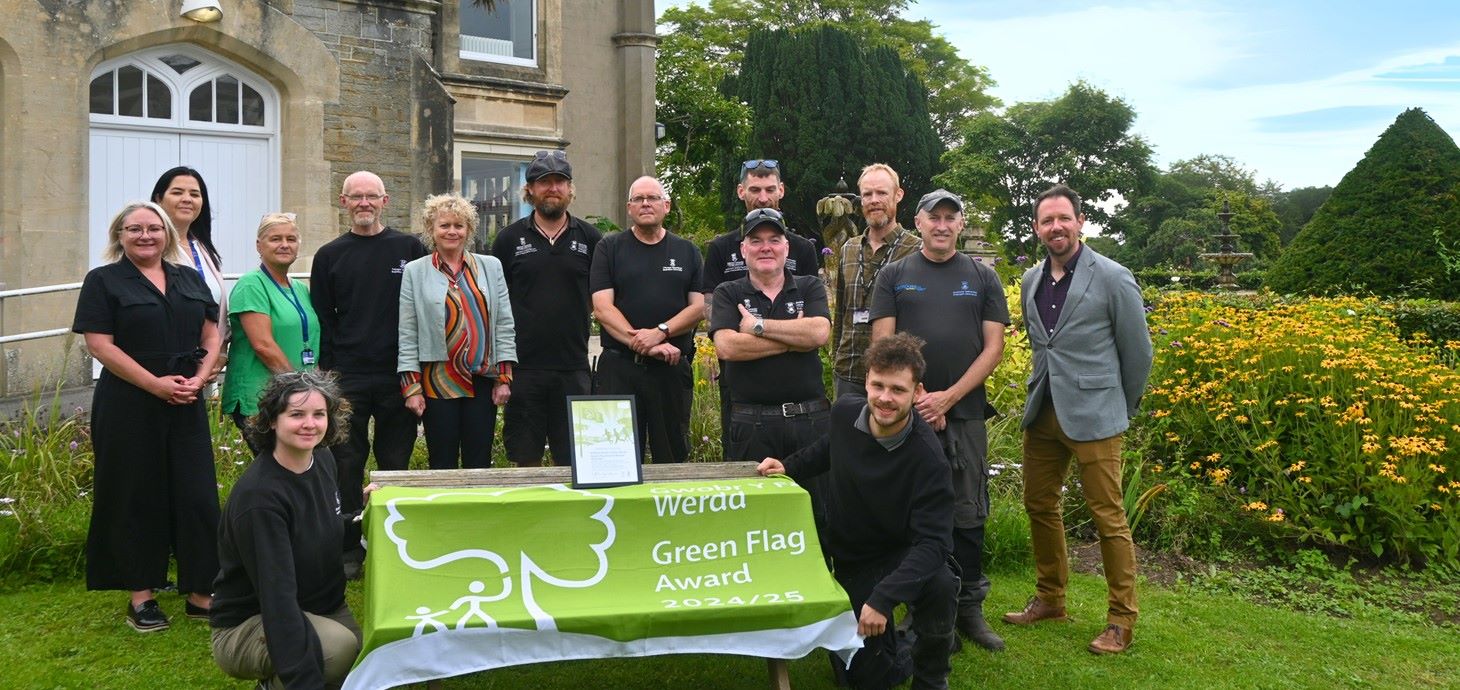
(1176, 220)
(827, 106)
(1082, 139)
(1296, 207)
(1391, 224)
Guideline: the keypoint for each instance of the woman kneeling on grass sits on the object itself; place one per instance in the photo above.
(279, 613)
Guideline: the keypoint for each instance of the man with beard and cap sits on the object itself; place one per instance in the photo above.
(1092, 356)
(760, 187)
(546, 257)
(889, 503)
(957, 306)
(862, 258)
(355, 286)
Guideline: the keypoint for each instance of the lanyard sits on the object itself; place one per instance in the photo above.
(197, 262)
(294, 300)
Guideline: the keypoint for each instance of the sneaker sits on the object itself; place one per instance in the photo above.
(146, 618)
(1113, 640)
(196, 612)
(1035, 611)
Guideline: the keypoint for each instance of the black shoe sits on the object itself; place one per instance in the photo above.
(146, 618)
(196, 612)
(975, 628)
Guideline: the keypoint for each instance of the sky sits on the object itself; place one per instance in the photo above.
(1296, 90)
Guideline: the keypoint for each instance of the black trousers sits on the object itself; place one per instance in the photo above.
(372, 397)
(879, 665)
(461, 428)
(154, 492)
(538, 412)
(240, 420)
(755, 437)
(662, 396)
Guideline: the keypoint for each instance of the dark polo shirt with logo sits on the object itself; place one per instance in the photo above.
(548, 284)
(650, 282)
(724, 262)
(354, 284)
(786, 377)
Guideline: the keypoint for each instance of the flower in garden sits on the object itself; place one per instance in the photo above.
(1255, 505)
(1020, 259)
(1175, 279)
(826, 251)
(6, 513)
(7, 500)
(1214, 457)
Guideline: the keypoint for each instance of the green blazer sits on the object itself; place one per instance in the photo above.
(422, 331)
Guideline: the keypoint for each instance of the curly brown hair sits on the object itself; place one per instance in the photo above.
(274, 401)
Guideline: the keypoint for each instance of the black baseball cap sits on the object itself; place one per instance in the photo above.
(939, 196)
(763, 216)
(549, 163)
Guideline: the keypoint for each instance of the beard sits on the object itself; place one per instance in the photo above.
(551, 209)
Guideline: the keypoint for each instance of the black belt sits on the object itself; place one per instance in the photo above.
(781, 410)
(641, 360)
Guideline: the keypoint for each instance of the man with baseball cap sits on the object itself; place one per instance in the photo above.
(957, 306)
(768, 327)
(546, 257)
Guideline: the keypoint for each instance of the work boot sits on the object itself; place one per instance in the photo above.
(974, 627)
(1035, 611)
(1113, 640)
(930, 660)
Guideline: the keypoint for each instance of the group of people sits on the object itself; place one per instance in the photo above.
(896, 466)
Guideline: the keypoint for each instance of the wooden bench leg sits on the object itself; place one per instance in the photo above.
(780, 674)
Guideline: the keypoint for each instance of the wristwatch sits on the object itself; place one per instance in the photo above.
(759, 327)
(664, 328)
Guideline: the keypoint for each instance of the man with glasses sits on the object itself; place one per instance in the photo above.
(768, 327)
(546, 257)
(355, 287)
(760, 187)
(862, 258)
(646, 295)
(956, 306)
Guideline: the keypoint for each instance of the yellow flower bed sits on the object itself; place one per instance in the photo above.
(1310, 412)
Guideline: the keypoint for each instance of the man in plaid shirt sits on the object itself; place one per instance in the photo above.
(862, 258)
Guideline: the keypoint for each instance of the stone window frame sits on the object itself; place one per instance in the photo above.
(473, 56)
(153, 63)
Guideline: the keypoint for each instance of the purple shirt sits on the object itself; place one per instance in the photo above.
(1050, 295)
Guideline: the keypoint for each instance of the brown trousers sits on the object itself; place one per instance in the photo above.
(1047, 453)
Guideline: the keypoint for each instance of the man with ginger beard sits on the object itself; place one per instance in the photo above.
(862, 258)
(546, 257)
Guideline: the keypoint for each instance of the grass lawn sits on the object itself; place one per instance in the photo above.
(61, 636)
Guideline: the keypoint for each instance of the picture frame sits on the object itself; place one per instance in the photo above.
(604, 435)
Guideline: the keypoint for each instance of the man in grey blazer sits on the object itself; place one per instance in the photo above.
(1092, 355)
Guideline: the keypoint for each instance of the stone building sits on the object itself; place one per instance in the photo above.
(276, 102)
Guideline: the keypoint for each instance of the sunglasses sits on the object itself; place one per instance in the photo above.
(557, 155)
(764, 214)
(760, 163)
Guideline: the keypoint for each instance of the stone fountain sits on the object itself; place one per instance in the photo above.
(1226, 257)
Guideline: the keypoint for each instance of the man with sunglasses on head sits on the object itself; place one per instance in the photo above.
(355, 286)
(768, 327)
(760, 187)
(645, 285)
(546, 257)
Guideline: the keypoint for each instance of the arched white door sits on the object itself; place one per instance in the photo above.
(182, 105)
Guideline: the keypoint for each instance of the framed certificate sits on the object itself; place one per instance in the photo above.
(605, 441)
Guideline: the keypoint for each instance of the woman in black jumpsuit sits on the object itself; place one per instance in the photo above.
(154, 326)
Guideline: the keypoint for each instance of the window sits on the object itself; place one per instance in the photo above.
(143, 88)
(495, 188)
(506, 33)
(224, 100)
(131, 92)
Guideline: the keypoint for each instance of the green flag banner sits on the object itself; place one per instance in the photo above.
(464, 580)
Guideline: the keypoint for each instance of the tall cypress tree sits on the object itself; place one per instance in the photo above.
(1391, 226)
(825, 108)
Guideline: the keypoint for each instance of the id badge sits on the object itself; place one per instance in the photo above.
(307, 356)
(861, 316)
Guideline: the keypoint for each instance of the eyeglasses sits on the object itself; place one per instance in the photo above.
(647, 199)
(357, 198)
(144, 229)
(544, 155)
(759, 163)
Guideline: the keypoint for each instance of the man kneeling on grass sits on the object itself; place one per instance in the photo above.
(889, 506)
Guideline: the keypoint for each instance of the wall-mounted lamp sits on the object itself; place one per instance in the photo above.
(658, 131)
(202, 10)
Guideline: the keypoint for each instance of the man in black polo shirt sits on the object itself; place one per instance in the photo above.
(760, 187)
(957, 306)
(889, 516)
(768, 327)
(646, 295)
(546, 257)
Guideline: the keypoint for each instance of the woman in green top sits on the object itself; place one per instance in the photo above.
(274, 326)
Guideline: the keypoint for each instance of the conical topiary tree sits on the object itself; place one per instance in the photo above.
(1392, 225)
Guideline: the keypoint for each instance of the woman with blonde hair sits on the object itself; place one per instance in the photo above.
(154, 328)
(457, 338)
(275, 327)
